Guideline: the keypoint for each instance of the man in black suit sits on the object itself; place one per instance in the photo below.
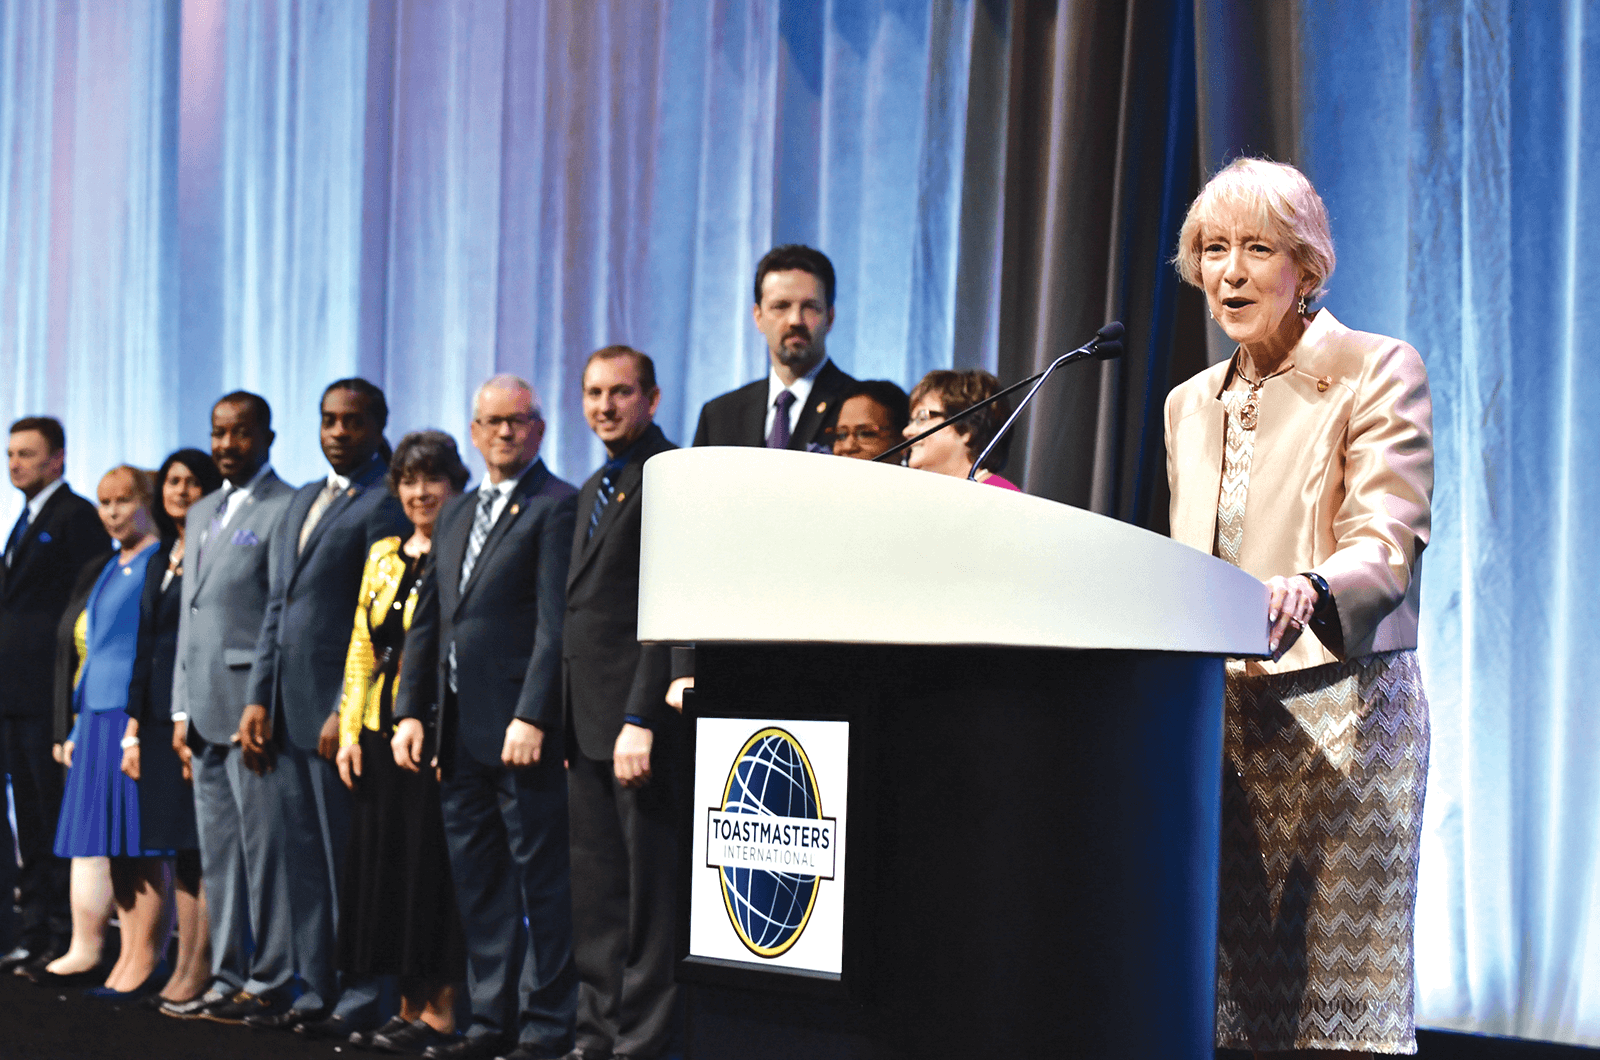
(623, 784)
(485, 644)
(798, 401)
(295, 808)
(55, 537)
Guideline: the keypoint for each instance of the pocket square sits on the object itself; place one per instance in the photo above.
(245, 537)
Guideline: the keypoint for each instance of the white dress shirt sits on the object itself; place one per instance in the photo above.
(800, 388)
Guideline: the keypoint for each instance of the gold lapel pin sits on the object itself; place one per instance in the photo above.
(621, 497)
(515, 508)
(351, 492)
(822, 406)
(1324, 383)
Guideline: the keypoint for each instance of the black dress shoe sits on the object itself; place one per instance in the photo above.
(287, 1020)
(16, 959)
(333, 1027)
(410, 1040)
(530, 1051)
(243, 1006)
(363, 1039)
(482, 1047)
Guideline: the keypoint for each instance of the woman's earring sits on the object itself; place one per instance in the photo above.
(1302, 305)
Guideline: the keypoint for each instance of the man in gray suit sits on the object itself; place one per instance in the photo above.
(223, 601)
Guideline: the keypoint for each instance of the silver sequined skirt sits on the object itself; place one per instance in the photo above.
(1324, 775)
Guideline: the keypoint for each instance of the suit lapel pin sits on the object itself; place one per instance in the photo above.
(351, 492)
(1324, 383)
(515, 508)
(621, 497)
(822, 406)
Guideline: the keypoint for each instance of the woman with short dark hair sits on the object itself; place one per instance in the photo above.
(941, 394)
(397, 913)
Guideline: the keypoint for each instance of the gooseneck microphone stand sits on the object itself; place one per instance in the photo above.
(1106, 344)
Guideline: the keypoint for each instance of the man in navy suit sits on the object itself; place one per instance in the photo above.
(288, 735)
(57, 534)
(485, 645)
(622, 772)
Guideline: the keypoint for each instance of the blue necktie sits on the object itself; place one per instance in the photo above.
(15, 539)
(602, 496)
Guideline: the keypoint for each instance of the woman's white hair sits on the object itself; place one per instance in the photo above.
(1276, 198)
(507, 381)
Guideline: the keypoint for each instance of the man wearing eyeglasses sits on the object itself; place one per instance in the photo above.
(485, 645)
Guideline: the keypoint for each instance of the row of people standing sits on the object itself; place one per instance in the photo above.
(486, 676)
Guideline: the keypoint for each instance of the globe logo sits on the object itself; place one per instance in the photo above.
(771, 777)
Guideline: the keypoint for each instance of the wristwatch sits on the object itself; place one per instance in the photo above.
(1320, 584)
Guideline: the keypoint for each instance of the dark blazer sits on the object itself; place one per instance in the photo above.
(150, 690)
(299, 668)
(505, 623)
(65, 537)
(608, 673)
(67, 658)
(737, 417)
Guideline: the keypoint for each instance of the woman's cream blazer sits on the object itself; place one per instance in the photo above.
(1341, 482)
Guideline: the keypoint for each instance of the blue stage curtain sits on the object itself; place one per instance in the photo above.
(88, 292)
(1455, 146)
(428, 194)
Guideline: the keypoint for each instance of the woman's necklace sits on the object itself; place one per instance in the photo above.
(1252, 401)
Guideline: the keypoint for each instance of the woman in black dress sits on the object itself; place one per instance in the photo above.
(397, 913)
(166, 799)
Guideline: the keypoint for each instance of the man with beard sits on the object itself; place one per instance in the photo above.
(799, 400)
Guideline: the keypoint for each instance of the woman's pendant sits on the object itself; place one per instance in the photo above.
(1247, 414)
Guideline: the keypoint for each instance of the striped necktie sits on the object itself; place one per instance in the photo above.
(480, 532)
(602, 497)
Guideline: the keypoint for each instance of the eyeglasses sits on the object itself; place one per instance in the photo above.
(860, 434)
(494, 423)
(924, 416)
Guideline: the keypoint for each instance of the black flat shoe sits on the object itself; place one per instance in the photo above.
(45, 978)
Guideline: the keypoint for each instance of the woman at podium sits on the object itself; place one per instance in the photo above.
(1306, 459)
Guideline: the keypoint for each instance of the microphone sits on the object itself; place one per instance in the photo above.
(1106, 344)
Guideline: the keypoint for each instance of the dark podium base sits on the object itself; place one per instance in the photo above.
(1032, 854)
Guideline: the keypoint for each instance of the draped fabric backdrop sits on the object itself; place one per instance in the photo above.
(197, 195)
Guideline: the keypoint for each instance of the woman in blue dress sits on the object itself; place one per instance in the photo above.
(100, 806)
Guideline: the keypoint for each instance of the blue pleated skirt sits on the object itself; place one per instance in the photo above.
(100, 808)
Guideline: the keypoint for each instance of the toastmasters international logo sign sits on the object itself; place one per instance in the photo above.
(771, 841)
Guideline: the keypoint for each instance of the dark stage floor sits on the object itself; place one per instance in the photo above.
(38, 1024)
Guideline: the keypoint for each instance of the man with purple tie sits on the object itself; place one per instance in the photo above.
(797, 403)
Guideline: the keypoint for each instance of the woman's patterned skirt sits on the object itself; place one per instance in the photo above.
(1324, 775)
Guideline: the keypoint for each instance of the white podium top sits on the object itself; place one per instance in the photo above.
(758, 545)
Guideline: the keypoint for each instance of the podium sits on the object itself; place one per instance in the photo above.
(955, 756)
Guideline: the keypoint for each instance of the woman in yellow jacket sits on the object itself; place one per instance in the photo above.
(397, 913)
